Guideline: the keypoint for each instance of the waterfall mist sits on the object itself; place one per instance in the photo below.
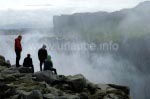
(98, 68)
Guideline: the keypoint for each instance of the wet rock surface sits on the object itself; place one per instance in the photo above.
(20, 83)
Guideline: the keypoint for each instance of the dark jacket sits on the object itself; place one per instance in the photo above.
(42, 54)
(18, 46)
(48, 64)
(28, 62)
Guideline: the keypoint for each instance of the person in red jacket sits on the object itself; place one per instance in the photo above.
(18, 49)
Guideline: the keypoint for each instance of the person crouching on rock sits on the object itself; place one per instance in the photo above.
(42, 55)
(28, 62)
(48, 64)
(18, 49)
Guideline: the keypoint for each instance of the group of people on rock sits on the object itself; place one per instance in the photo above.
(43, 56)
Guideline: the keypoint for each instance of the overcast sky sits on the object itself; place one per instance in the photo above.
(69, 5)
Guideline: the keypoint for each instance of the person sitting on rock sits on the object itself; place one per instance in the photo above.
(28, 62)
(48, 64)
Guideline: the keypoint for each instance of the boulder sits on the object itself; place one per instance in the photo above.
(49, 96)
(78, 82)
(122, 88)
(102, 86)
(46, 76)
(15, 97)
(69, 96)
(9, 78)
(3, 68)
(8, 74)
(91, 87)
(2, 58)
(11, 70)
(4, 63)
(66, 96)
(1, 78)
(6, 91)
(35, 94)
(99, 94)
(83, 96)
(25, 70)
(114, 96)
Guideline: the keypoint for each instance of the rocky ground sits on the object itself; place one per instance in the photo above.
(20, 83)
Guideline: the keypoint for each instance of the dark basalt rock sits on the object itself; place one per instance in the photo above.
(25, 70)
(2, 58)
(6, 91)
(20, 83)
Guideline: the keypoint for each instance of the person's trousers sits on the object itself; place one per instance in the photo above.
(18, 56)
(41, 63)
(53, 69)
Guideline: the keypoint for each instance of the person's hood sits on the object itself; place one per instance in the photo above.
(49, 57)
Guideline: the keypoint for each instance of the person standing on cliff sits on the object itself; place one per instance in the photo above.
(42, 55)
(18, 49)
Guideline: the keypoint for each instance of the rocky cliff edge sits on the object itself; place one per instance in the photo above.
(20, 83)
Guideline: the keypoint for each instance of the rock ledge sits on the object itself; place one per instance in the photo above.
(19, 83)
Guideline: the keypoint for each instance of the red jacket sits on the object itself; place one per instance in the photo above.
(18, 44)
